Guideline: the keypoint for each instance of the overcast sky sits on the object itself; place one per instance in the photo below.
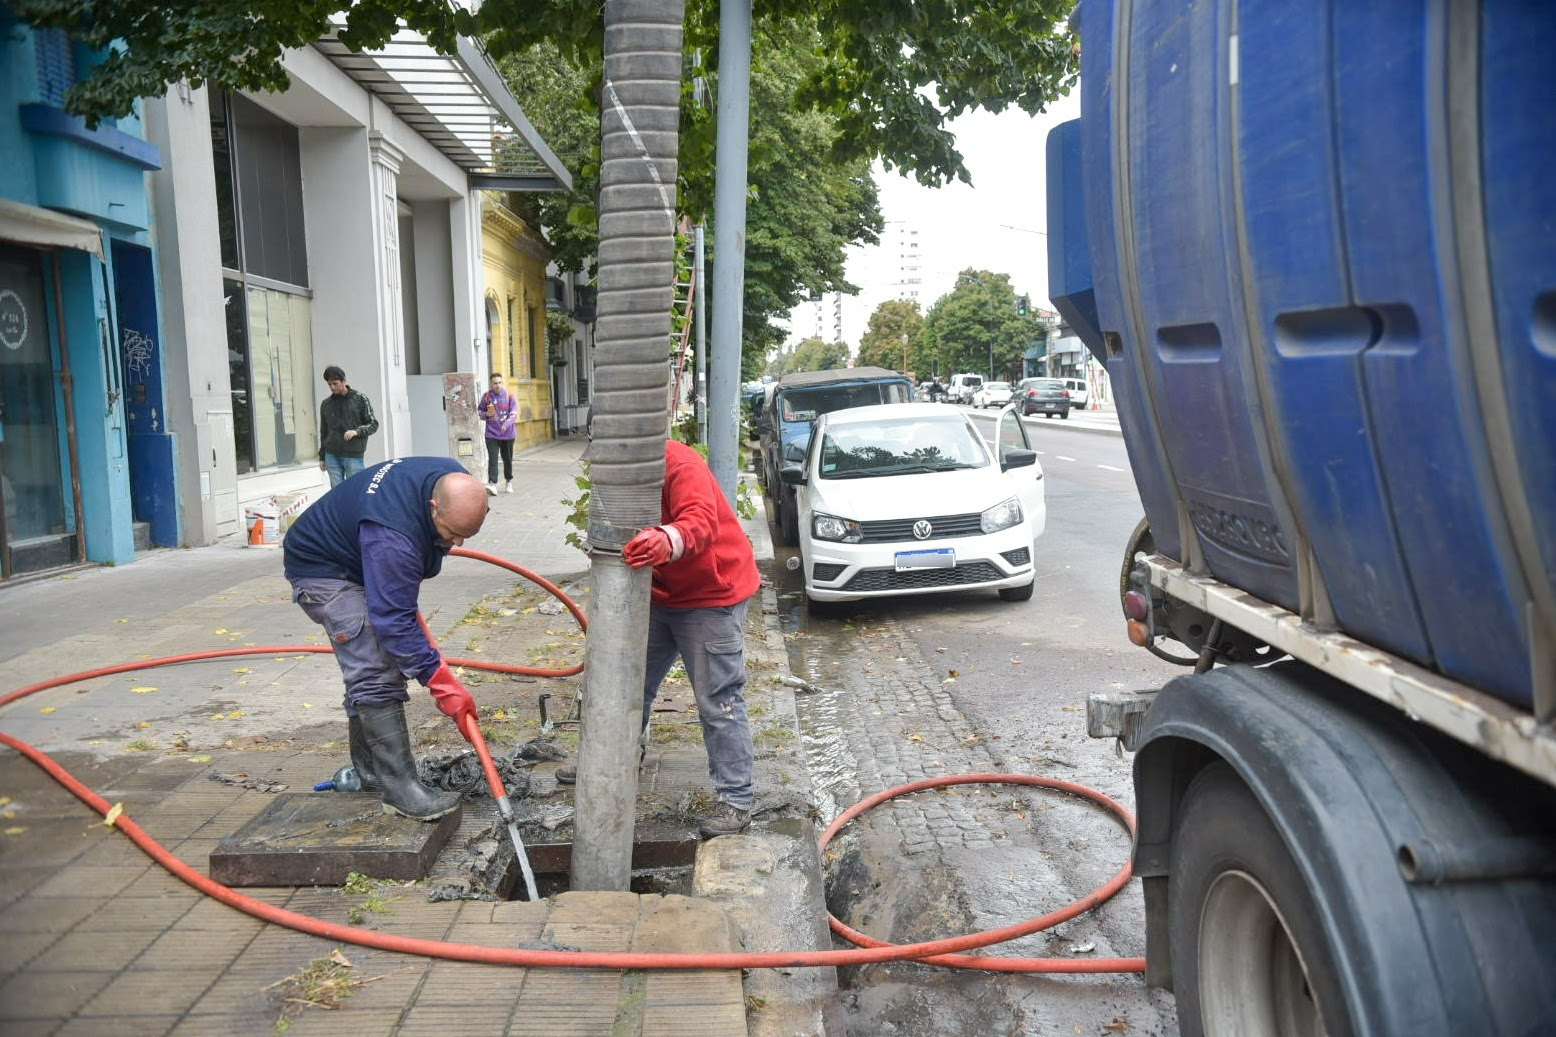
(998, 222)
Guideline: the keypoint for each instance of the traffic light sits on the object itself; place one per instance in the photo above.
(1022, 305)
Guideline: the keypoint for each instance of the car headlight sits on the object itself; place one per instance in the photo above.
(830, 527)
(1001, 516)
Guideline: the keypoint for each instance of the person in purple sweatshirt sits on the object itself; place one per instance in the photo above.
(500, 408)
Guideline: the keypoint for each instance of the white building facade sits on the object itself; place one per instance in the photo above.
(337, 223)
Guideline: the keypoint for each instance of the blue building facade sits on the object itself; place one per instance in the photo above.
(87, 462)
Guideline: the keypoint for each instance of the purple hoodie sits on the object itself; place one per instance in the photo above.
(499, 425)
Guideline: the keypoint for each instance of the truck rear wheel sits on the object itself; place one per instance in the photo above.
(1249, 958)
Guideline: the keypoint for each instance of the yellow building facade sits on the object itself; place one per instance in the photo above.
(513, 259)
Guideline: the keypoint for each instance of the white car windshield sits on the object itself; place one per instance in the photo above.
(900, 447)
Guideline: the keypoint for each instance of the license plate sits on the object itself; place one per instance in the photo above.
(940, 558)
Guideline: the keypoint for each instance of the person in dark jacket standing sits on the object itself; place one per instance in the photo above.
(345, 421)
(704, 577)
(356, 560)
(500, 408)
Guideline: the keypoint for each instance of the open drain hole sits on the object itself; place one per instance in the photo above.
(487, 869)
(658, 866)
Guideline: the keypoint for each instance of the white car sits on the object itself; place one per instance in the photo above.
(909, 499)
(1080, 395)
(992, 394)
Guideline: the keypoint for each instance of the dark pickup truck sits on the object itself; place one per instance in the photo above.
(784, 426)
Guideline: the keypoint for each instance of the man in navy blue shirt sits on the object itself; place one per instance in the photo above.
(356, 560)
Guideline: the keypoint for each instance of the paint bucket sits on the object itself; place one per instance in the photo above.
(264, 525)
(288, 507)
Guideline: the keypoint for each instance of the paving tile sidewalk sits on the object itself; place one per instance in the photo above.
(95, 938)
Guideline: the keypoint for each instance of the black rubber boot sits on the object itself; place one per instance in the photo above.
(361, 760)
(388, 746)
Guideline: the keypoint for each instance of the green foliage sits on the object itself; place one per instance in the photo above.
(578, 511)
(810, 355)
(559, 328)
(882, 344)
(877, 62)
(977, 319)
(559, 96)
(803, 207)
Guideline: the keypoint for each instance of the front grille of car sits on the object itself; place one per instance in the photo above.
(1020, 556)
(826, 572)
(922, 579)
(889, 531)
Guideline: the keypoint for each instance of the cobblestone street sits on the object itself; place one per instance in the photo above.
(941, 862)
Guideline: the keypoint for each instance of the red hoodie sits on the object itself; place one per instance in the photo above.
(711, 561)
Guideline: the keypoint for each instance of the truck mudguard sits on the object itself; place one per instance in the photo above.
(1352, 796)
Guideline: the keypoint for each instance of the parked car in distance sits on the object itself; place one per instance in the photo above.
(1080, 394)
(1042, 396)
(793, 404)
(992, 394)
(962, 387)
(910, 499)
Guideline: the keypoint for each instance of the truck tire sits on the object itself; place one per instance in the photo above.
(1249, 958)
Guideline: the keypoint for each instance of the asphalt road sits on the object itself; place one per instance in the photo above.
(962, 682)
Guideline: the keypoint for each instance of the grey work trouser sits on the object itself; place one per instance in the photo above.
(373, 677)
(711, 642)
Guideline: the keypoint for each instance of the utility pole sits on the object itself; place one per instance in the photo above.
(729, 240)
(700, 314)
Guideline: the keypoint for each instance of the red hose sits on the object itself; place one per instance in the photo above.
(936, 952)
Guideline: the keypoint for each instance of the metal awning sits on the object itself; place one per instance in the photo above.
(459, 103)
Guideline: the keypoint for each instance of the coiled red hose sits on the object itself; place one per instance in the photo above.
(936, 952)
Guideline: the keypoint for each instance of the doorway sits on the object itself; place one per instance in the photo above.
(153, 478)
(37, 524)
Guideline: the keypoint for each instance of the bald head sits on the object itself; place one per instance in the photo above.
(458, 507)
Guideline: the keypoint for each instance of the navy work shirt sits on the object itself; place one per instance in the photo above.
(375, 529)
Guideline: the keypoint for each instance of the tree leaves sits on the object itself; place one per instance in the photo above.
(891, 72)
(882, 344)
(976, 323)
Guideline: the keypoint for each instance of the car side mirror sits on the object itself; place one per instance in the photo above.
(794, 450)
(794, 474)
(1018, 459)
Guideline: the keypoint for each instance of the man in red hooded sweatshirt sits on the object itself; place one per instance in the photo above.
(704, 576)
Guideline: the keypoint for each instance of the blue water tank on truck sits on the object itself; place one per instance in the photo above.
(1315, 246)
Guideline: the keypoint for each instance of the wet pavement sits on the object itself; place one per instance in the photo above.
(890, 703)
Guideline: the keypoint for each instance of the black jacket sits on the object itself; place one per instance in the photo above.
(338, 415)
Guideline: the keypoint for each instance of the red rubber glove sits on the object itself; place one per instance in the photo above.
(650, 547)
(452, 698)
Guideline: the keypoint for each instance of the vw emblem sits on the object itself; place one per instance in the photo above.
(922, 529)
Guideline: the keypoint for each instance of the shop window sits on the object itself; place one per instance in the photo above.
(269, 331)
(270, 356)
(537, 341)
(513, 356)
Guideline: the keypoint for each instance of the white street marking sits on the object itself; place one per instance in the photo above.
(1110, 468)
(1063, 458)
